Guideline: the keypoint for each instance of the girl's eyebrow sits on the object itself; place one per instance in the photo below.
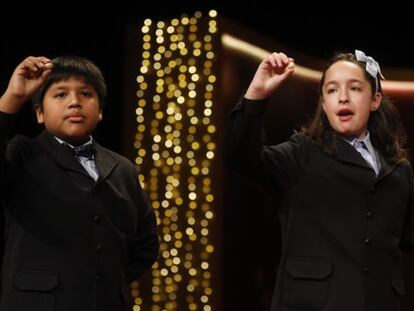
(348, 81)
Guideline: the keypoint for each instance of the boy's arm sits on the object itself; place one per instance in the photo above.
(7, 124)
(145, 245)
(28, 76)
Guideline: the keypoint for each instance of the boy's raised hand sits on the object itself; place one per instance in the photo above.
(270, 74)
(28, 76)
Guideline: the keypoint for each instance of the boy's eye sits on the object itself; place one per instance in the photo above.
(356, 88)
(60, 95)
(330, 91)
(86, 93)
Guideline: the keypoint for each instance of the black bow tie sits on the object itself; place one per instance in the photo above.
(87, 151)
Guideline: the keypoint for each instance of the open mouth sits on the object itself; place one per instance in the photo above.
(345, 114)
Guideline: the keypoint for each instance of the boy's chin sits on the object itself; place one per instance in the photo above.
(73, 139)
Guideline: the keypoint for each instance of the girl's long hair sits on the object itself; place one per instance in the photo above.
(384, 124)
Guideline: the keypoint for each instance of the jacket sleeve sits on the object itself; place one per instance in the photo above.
(407, 238)
(143, 247)
(7, 125)
(243, 149)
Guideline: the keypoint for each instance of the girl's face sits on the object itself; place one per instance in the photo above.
(70, 110)
(347, 99)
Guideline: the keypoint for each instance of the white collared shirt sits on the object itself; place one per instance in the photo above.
(88, 164)
(373, 160)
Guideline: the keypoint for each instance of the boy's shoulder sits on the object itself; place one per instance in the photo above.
(108, 160)
(112, 154)
(21, 143)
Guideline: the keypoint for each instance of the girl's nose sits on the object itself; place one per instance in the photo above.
(343, 97)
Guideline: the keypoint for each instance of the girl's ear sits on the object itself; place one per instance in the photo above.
(100, 116)
(376, 102)
(322, 103)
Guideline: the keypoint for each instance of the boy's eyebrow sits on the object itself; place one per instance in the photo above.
(64, 84)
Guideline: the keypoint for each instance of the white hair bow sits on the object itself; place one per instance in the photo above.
(372, 66)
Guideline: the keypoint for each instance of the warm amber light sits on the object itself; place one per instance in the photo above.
(175, 146)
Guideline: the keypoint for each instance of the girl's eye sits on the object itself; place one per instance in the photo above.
(330, 91)
(356, 88)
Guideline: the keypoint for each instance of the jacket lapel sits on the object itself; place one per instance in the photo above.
(347, 153)
(105, 162)
(386, 168)
(59, 153)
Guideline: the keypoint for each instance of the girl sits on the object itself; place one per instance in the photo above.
(346, 183)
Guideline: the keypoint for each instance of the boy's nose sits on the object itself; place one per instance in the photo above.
(74, 101)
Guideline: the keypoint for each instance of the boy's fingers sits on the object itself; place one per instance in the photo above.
(34, 66)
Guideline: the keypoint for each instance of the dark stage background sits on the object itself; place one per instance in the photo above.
(249, 251)
(98, 33)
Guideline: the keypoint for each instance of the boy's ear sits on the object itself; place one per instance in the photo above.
(39, 115)
(100, 116)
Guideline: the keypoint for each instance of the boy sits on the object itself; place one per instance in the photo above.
(77, 227)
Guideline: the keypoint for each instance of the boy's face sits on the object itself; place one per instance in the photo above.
(70, 110)
(348, 99)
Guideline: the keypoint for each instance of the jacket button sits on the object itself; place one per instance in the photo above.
(98, 247)
(96, 218)
(367, 241)
(97, 278)
(365, 269)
